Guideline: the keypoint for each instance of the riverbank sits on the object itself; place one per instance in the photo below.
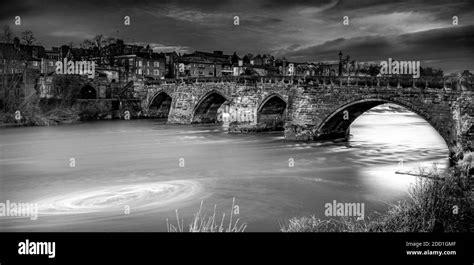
(37, 117)
(440, 204)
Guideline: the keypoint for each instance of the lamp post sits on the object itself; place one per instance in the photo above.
(340, 63)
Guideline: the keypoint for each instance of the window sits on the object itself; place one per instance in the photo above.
(148, 63)
(35, 63)
(156, 64)
(140, 71)
(148, 71)
(130, 61)
(140, 63)
(50, 64)
(156, 72)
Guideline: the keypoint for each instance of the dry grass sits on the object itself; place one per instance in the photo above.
(203, 223)
(440, 203)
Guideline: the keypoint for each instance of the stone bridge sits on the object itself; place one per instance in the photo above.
(312, 109)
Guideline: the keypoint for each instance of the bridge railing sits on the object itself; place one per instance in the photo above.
(401, 81)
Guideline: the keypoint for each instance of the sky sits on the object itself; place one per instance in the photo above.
(299, 30)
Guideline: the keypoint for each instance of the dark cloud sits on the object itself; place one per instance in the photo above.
(446, 45)
(282, 27)
(292, 3)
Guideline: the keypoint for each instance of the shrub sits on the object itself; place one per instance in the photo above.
(439, 203)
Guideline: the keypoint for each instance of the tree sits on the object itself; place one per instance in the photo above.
(68, 88)
(7, 35)
(100, 47)
(28, 38)
(235, 58)
(374, 70)
(429, 71)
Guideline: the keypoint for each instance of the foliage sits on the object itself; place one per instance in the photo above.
(68, 88)
(92, 110)
(441, 203)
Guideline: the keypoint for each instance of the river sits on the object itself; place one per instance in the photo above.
(133, 175)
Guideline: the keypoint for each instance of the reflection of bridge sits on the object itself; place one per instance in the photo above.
(317, 108)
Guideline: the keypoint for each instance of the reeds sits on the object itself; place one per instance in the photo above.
(210, 224)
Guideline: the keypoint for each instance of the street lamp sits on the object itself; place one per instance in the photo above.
(340, 63)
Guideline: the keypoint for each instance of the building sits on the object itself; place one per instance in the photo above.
(19, 67)
(193, 67)
(216, 56)
(146, 65)
(171, 64)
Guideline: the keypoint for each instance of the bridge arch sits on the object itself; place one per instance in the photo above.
(272, 112)
(88, 92)
(160, 104)
(206, 109)
(337, 124)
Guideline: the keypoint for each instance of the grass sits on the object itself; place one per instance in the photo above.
(203, 223)
(441, 203)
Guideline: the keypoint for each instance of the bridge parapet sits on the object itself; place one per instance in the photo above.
(454, 83)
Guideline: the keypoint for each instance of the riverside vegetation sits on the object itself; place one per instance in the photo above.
(439, 203)
(34, 111)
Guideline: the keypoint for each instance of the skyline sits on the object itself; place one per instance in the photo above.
(298, 30)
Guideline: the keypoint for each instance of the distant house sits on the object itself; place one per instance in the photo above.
(259, 70)
(257, 60)
(192, 67)
(149, 65)
(171, 64)
(217, 56)
(19, 62)
(227, 69)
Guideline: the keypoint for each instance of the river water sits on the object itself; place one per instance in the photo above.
(134, 175)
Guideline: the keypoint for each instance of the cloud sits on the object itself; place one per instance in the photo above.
(76, 34)
(158, 47)
(300, 29)
(435, 47)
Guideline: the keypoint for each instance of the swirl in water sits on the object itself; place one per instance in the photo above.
(112, 198)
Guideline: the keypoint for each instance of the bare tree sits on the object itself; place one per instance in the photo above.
(100, 47)
(28, 38)
(7, 34)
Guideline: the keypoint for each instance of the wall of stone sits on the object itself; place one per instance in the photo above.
(310, 107)
(242, 100)
(316, 110)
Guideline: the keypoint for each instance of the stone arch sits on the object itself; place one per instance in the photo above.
(335, 126)
(271, 113)
(88, 92)
(160, 105)
(205, 111)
